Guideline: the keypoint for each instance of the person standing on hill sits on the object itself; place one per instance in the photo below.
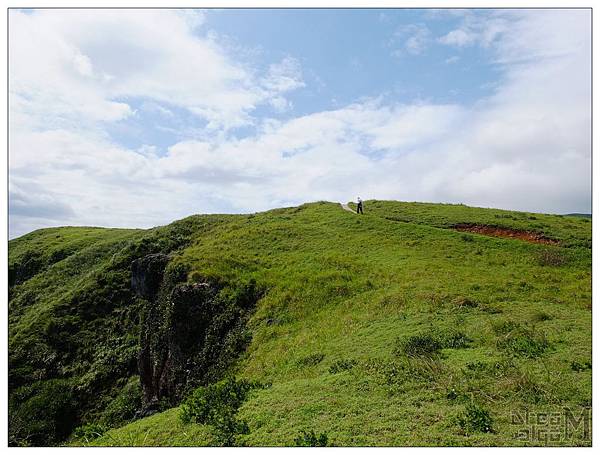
(359, 206)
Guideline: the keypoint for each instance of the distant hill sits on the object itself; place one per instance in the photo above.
(388, 328)
(581, 215)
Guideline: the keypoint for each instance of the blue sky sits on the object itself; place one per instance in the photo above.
(351, 52)
(346, 55)
(135, 118)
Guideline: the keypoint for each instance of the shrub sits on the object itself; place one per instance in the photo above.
(429, 369)
(464, 302)
(123, 408)
(397, 373)
(506, 326)
(217, 405)
(31, 263)
(311, 360)
(580, 366)
(523, 342)
(430, 344)
(41, 414)
(394, 373)
(478, 366)
(491, 309)
(89, 432)
(475, 419)
(529, 390)
(452, 394)
(342, 365)
(419, 345)
(541, 316)
(310, 439)
(454, 340)
(551, 257)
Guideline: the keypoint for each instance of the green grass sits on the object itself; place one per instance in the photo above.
(344, 289)
(153, 431)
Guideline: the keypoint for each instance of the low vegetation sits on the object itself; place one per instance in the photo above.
(217, 405)
(388, 328)
(311, 439)
(475, 419)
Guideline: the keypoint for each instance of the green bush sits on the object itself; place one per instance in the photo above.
(123, 407)
(581, 366)
(542, 316)
(217, 405)
(310, 360)
(475, 419)
(431, 343)
(506, 326)
(419, 345)
(523, 342)
(454, 340)
(89, 432)
(529, 390)
(465, 302)
(456, 394)
(342, 365)
(310, 439)
(41, 414)
(551, 258)
(30, 263)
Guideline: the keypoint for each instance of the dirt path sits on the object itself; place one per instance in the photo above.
(345, 207)
(495, 231)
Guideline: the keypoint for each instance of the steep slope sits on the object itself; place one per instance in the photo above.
(389, 328)
(74, 325)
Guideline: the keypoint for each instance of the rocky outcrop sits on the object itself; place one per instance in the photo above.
(172, 335)
(147, 274)
(30, 264)
(190, 332)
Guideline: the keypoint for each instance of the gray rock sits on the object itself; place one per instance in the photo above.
(147, 274)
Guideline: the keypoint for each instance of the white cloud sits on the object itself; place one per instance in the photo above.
(281, 78)
(280, 104)
(74, 65)
(478, 28)
(458, 37)
(156, 108)
(415, 39)
(83, 65)
(148, 150)
(284, 76)
(526, 147)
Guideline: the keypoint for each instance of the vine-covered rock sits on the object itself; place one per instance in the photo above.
(147, 275)
(190, 332)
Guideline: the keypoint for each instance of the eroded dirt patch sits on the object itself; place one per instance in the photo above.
(495, 231)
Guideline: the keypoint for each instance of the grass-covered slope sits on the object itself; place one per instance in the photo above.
(74, 323)
(388, 328)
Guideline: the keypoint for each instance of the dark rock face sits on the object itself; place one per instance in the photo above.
(190, 333)
(171, 335)
(147, 274)
(32, 263)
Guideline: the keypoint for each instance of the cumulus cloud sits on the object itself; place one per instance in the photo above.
(284, 76)
(82, 65)
(526, 147)
(477, 28)
(459, 37)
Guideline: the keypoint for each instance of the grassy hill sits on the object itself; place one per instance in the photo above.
(388, 328)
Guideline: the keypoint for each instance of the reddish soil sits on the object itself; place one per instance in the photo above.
(495, 231)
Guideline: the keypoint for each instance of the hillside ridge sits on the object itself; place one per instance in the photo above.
(323, 308)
